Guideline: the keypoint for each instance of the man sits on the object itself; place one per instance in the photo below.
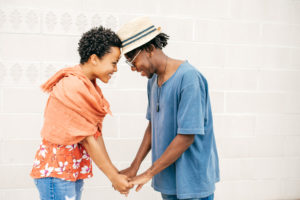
(180, 130)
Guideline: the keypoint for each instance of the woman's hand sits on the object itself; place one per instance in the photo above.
(121, 183)
(96, 149)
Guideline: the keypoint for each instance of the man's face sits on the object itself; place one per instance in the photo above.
(141, 62)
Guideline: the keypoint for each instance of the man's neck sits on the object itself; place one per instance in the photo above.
(162, 64)
(171, 67)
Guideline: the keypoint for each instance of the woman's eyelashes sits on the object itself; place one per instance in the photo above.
(115, 62)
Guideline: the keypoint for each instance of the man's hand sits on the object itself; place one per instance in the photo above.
(141, 179)
(129, 172)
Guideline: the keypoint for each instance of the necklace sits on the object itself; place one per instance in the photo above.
(159, 88)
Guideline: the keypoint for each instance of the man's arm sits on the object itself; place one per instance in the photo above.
(179, 145)
(144, 149)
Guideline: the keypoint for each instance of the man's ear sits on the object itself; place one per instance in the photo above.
(151, 50)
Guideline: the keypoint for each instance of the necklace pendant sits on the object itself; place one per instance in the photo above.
(157, 108)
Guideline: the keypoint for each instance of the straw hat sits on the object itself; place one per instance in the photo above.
(136, 33)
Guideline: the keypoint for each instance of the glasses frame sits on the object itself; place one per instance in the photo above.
(130, 63)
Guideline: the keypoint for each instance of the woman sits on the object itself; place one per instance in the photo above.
(71, 134)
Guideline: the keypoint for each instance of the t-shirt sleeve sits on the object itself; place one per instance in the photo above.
(148, 114)
(190, 116)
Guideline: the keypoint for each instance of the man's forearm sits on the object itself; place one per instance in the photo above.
(176, 148)
(144, 149)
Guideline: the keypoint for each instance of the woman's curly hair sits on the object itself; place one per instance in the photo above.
(97, 41)
(159, 42)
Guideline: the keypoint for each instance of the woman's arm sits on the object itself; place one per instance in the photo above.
(96, 149)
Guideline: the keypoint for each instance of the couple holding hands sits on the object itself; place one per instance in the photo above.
(180, 127)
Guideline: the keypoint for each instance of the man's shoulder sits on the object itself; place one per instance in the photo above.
(191, 75)
(189, 72)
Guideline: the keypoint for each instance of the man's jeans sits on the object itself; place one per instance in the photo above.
(57, 189)
(174, 197)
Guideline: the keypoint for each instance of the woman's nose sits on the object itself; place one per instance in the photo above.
(133, 68)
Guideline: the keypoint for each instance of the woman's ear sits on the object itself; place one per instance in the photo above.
(93, 59)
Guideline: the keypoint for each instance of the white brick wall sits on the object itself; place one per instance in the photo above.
(249, 50)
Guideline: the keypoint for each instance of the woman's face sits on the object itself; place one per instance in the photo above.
(107, 65)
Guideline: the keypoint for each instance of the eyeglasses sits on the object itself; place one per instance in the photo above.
(130, 63)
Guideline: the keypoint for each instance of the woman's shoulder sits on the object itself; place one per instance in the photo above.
(69, 83)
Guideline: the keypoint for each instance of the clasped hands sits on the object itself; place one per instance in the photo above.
(127, 179)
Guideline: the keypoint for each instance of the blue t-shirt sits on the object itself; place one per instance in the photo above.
(184, 108)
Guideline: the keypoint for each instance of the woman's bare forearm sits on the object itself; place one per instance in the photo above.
(97, 150)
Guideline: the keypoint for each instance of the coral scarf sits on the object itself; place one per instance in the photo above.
(75, 109)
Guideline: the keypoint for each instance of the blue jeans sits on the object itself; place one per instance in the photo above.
(57, 189)
(174, 197)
